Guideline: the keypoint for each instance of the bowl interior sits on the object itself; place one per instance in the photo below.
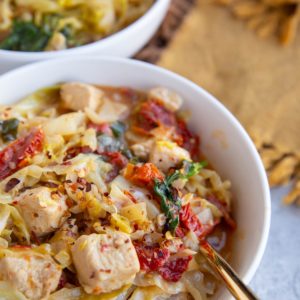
(223, 140)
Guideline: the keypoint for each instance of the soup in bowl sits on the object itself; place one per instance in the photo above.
(112, 179)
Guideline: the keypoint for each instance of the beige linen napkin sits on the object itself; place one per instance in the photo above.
(257, 79)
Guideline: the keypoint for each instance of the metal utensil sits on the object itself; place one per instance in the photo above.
(236, 287)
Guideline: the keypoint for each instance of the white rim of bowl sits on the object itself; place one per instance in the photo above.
(150, 13)
(262, 174)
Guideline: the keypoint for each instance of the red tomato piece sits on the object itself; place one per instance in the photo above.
(173, 269)
(187, 139)
(190, 221)
(74, 151)
(118, 161)
(153, 114)
(116, 158)
(180, 232)
(151, 258)
(16, 155)
(143, 175)
(103, 128)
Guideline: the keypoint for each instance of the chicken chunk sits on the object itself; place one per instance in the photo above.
(169, 99)
(105, 262)
(166, 154)
(78, 96)
(43, 209)
(142, 150)
(33, 274)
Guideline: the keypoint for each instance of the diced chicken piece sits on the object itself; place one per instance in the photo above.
(169, 99)
(78, 96)
(35, 275)
(108, 111)
(105, 262)
(43, 210)
(57, 42)
(166, 154)
(142, 150)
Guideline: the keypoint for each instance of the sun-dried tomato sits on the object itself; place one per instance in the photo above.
(118, 161)
(143, 175)
(153, 114)
(151, 258)
(103, 128)
(173, 269)
(11, 184)
(157, 258)
(190, 221)
(186, 139)
(116, 158)
(74, 151)
(180, 232)
(16, 155)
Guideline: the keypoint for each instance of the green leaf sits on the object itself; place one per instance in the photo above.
(9, 129)
(169, 205)
(50, 23)
(191, 168)
(174, 176)
(173, 224)
(109, 144)
(26, 36)
(118, 129)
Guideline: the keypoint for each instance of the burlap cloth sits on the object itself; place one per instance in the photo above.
(257, 79)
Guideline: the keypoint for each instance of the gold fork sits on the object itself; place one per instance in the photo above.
(236, 287)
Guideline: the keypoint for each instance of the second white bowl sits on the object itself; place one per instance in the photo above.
(124, 43)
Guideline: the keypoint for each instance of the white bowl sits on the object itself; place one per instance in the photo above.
(223, 140)
(124, 43)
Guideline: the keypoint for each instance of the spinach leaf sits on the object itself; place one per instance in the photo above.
(108, 143)
(170, 203)
(50, 23)
(191, 168)
(118, 129)
(26, 36)
(9, 129)
(188, 170)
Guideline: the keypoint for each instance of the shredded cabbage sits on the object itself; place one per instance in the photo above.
(86, 182)
(8, 292)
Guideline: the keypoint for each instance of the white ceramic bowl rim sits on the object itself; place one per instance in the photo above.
(150, 13)
(213, 101)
